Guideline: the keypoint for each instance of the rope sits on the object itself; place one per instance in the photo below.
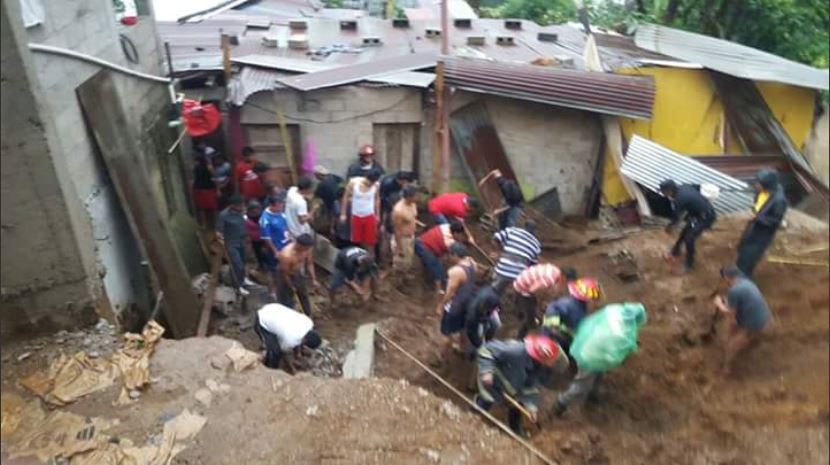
(545, 459)
(94, 60)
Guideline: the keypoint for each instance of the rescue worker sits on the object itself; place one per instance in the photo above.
(520, 249)
(538, 281)
(283, 331)
(433, 244)
(748, 313)
(769, 210)
(513, 198)
(516, 368)
(563, 315)
(699, 215)
(452, 306)
(365, 164)
(482, 317)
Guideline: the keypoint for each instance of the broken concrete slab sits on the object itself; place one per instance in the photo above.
(324, 253)
(360, 362)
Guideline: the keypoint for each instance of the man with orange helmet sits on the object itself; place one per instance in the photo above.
(365, 164)
(517, 369)
(564, 314)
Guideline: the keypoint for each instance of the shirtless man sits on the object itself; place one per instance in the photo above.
(291, 277)
(404, 221)
(362, 199)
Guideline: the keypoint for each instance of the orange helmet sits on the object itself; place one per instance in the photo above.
(542, 349)
(366, 150)
(585, 289)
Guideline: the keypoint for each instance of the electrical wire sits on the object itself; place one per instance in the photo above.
(336, 120)
(95, 60)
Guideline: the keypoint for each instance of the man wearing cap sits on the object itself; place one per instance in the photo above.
(768, 213)
(284, 331)
(329, 191)
(365, 164)
(515, 369)
(747, 311)
(563, 315)
(699, 215)
(274, 229)
(534, 283)
(231, 229)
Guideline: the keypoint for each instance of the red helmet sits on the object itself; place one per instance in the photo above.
(366, 150)
(542, 349)
(585, 289)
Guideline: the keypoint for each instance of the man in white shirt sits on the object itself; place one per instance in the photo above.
(296, 208)
(283, 330)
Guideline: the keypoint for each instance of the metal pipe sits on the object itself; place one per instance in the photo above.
(95, 60)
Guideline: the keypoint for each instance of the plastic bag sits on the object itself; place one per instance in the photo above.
(606, 338)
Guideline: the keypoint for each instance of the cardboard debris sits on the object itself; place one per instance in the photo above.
(69, 378)
(185, 426)
(133, 360)
(240, 357)
(29, 431)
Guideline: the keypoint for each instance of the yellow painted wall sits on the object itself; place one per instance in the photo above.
(688, 118)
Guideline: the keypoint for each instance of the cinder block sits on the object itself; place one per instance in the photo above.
(359, 362)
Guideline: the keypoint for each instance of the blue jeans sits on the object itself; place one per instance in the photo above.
(236, 254)
(440, 219)
(431, 263)
(509, 218)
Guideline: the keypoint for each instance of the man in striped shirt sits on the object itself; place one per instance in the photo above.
(520, 249)
(538, 281)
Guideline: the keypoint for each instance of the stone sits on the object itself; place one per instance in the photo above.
(432, 455)
(94, 354)
(312, 411)
(204, 397)
(135, 394)
(23, 356)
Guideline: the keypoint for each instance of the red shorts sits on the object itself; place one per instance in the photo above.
(206, 199)
(365, 230)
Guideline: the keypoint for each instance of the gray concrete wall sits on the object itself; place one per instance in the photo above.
(106, 246)
(816, 148)
(338, 120)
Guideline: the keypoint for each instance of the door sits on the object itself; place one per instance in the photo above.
(397, 145)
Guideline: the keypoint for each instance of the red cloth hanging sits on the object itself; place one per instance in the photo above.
(200, 120)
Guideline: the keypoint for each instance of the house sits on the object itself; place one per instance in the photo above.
(69, 253)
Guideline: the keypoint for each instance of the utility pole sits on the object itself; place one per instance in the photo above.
(441, 181)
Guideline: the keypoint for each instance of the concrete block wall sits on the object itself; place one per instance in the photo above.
(104, 241)
(338, 120)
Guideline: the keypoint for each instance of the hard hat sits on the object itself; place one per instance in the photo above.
(367, 150)
(585, 289)
(710, 191)
(542, 349)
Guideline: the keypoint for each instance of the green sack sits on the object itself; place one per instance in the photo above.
(605, 338)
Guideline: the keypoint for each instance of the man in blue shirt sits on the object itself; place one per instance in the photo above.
(273, 226)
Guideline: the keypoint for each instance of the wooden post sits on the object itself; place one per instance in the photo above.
(437, 164)
(286, 140)
(225, 43)
(445, 109)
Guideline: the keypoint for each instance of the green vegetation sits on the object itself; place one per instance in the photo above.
(794, 29)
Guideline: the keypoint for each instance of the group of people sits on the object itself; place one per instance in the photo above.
(371, 213)
(744, 305)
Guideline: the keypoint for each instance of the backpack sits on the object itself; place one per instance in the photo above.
(607, 337)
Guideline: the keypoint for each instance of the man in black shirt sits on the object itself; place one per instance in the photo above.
(365, 163)
(699, 215)
(329, 190)
(355, 268)
(513, 199)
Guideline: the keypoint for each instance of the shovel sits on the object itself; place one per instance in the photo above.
(522, 409)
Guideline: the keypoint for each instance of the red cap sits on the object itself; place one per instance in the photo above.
(542, 349)
(367, 150)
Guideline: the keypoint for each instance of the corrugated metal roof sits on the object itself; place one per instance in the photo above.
(360, 72)
(729, 57)
(250, 81)
(597, 92)
(649, 164)
(406, 78)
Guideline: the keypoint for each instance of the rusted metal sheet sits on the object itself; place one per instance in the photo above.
(744, 167)
(114, 136)
(477, 142)
(629, 96)
(360, 72)
(757, 128)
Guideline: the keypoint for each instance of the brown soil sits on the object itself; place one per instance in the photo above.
(665, 405)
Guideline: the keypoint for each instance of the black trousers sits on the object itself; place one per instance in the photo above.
(273, 353)
(285, 294)
(514, 416)
(689, 235)
(527, 310)
(752, 247)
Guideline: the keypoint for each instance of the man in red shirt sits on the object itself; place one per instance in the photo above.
(433, 244)
(250, 185)
(453, 206)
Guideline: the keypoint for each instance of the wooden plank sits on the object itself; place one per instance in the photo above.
(116, 140)
(286, 140)
(210, 293)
